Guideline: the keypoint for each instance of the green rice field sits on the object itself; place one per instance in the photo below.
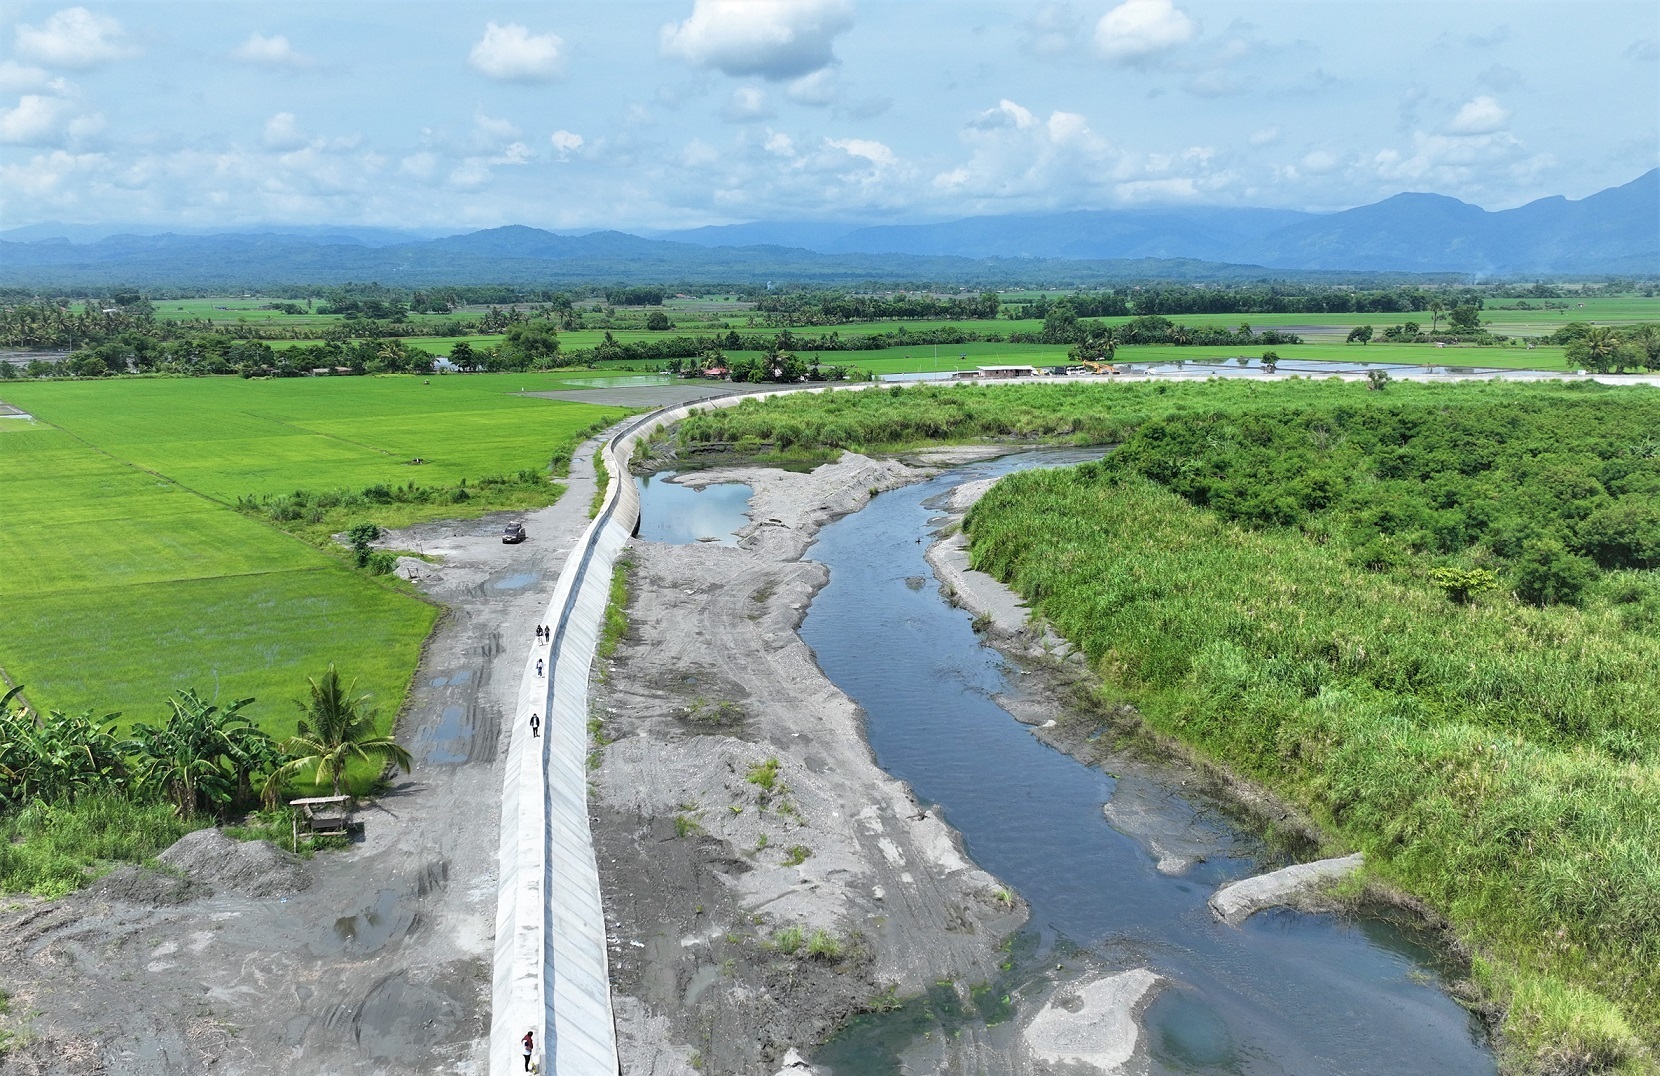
(130, 575)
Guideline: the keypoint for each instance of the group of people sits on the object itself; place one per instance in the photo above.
(544, 634)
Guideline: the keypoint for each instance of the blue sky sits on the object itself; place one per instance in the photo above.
(665, 115)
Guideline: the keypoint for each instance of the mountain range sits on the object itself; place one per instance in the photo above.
(1613, 231)
(1616, 231)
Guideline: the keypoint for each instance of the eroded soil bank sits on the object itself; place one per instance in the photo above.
(740, 816)
(372, 960)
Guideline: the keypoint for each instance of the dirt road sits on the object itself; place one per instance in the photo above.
(741, 821)
(381, 964)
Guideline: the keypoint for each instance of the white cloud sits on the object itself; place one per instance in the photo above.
(274, 51)
(748, 104)
(35, 121)
(1319, 162)
(73, 38)
(470, 174)
(282, 133)
(16, 78)
(514, 153)
(1479, 116)
(421, 165)
(775, 39)
(84, 127)
(512, 53)
(1644, 50)
(1067, 127)
(698, 154)
(493, 130)
(1266, 136)
(817, 89)
(565, 143)
(1136, 30)
(874, 152)
(1006, 114)
(1453, 164)
(779, 144)
(1137, 191)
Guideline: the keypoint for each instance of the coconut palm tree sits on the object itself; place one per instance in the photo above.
(1600, 349)
(338, 726)
(1435, 307)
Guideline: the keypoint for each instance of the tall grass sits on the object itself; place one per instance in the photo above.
(1501, 760)
(52, 849)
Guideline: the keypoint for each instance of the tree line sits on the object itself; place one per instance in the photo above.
(840, 308)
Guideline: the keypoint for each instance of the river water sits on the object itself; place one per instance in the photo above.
(1288, 993)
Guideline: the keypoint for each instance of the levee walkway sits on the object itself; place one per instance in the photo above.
(551, 976)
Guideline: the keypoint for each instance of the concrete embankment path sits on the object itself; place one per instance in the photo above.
(550, 972)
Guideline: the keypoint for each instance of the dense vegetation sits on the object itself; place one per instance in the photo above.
(1545, 491)
(74, 795)
(1290, 577)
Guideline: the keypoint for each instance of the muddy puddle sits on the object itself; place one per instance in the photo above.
(678, 515)
(1113, 884)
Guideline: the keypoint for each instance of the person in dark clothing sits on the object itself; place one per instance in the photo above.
(529, 1043)
(538, 633)
(535, 725)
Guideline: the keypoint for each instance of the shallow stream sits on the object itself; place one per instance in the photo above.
(1286, 993)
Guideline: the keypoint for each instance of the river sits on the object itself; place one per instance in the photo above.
(1286, 993)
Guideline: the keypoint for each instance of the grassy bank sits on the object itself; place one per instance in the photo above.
(1498, 759)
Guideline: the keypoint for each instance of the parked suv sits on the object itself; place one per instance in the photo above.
(514, 533)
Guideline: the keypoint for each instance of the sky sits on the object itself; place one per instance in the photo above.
(646, 115)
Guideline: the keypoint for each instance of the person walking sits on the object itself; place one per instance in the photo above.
(538, 633)
(535, 725)
(538, 666)
(529, 1044)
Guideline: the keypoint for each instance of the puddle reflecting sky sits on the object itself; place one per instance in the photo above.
(678, 515)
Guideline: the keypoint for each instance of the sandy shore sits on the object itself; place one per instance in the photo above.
(705, 871)
(381, 962)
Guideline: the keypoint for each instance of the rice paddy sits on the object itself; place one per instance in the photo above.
(130, 574)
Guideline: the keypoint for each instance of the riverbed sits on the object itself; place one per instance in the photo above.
(1115, 863)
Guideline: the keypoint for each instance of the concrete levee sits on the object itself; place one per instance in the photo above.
(551, 968)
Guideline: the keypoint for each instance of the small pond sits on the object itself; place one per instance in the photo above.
(679, 515)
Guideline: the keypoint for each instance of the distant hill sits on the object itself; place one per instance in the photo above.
(530, 256)
(1614, 231)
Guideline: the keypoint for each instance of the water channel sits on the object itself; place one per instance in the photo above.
(1286, 993)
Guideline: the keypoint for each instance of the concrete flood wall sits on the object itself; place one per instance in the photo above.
(551, 972)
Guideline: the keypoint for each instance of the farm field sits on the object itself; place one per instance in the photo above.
(131, 576)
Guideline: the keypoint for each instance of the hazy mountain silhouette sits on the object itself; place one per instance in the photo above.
(1613, 231)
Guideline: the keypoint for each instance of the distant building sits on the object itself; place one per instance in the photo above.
(1002, 372)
